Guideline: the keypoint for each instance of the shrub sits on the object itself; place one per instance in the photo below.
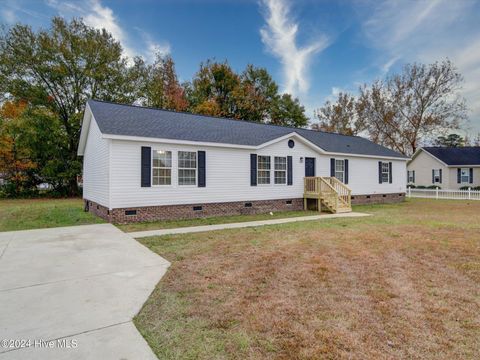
(421, 187)
(411, 186)
(465, 187)
(434, 187)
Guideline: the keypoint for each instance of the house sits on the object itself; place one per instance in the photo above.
(148, 164)
(445, 167)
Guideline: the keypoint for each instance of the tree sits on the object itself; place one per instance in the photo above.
(59, 69)
(253, 95)
(287, 111)
(421, 101)
(451, 140)
(256, 94)
(339, 117)
(15, 162)
(214, 83)
(161, 86)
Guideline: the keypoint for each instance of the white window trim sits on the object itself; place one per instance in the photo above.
(179, 168)
(386, 172)
(436, 172)
(410, 179)
(341, 171)
(285, 171)
(468, 176)
(269, 171)
(171, 169)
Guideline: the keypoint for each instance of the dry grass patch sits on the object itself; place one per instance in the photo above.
(401, 284)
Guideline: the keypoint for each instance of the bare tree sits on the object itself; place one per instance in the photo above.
(339, 117)
(420, 102)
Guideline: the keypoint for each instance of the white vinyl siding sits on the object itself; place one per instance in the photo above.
(280, 173)
(96, 166)
(423, 163)
(228, 175)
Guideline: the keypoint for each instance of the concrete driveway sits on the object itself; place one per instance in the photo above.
(71, 293)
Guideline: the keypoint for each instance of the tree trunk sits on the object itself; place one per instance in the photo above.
(73, 186)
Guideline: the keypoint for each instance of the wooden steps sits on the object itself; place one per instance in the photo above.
(330, 194)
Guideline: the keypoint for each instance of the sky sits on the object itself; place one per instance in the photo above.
(313, 48)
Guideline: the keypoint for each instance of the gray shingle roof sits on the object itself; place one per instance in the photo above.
(118, 119)
(468, 155)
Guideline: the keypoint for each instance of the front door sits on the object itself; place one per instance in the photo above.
(309, 166)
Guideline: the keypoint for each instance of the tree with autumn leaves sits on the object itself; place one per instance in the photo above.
(15, 159)
(49, 74)
(252, 95)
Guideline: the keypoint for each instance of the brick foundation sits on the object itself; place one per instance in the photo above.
(174, 212)
(378, 198)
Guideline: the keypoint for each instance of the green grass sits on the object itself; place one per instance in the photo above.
(43, 213)
(170, 224)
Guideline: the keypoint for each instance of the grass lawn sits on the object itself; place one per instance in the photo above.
(43, 213)
(404, 283)
(170, 224)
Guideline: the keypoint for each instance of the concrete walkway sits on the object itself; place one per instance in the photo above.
(81, 285)
(194, 229)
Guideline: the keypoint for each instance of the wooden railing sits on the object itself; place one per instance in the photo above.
(329, 189)
(343, 191)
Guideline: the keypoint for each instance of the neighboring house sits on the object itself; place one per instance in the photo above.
(147, 164)
(448, 168)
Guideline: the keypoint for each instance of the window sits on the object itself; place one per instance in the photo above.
(385, 172)
(162, 167)
(465, 175)
(436, 175)
(411, 176)
(187, 168)
(263, 169)
(280, 173)
(340, 170)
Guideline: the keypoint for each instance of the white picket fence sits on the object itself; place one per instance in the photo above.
(444, 194)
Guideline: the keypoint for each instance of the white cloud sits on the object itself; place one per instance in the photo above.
(8, 15)
(428, 31)
(280, 36)
(152, 47)
(102, 17)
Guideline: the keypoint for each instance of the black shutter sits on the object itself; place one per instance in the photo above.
(390, 172)
(253, 169)
(440, 174)
(346, 171)
(433, 176)
(332, 167)
(413, 171)
(459, 176)
(471, 175)
(289, 171)
(379, 172)
(146, 166)
(201, 169)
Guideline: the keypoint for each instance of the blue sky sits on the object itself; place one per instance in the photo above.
(314, 49)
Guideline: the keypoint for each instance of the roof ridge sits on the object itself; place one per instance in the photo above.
(222, 118)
